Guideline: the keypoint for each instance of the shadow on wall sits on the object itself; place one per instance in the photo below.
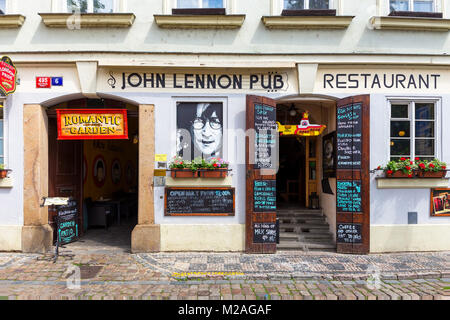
(62, 36)
(190, 37)
(8, 36)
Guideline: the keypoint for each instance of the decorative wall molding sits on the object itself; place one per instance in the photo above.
(88, 20)
(307, 22)
(233, 21)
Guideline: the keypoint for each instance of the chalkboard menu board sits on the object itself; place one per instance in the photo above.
(265, 136)
(348, 196)
(264, 232)
(264, 196)
(199, 201)
(349, 233)
(67, 222)
(349, 134)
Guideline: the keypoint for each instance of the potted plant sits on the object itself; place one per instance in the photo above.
(214, 168)
(3, 171)
(180, 168)
(402, 168)
(431, 169)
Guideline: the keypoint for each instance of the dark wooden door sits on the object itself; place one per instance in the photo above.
(65, 170)
(261, 165)
(353, 181)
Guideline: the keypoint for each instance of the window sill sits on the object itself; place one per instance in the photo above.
(410, 23)
(411, 183)
(11, 21)
(232, 21)
(6, 183)
(89, 20)
(307, 22)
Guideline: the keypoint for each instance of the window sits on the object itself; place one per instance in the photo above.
(211, 4)
(306, 4)
(413, 5)
(2, 6)
(413, 130)
(2, 135)
(91, 6)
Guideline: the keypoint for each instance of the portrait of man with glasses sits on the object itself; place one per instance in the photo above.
(199, 130)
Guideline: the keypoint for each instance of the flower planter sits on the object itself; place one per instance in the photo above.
(398, 174)
(213, 173)
(183, 173)
(431, 174)
(4, 173)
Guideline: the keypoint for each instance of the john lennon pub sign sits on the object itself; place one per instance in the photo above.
(8, 74)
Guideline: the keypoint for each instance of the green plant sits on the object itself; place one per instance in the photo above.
(214, 163)
(179, 163)
(404, 165)
(431, 166)
(2, 166)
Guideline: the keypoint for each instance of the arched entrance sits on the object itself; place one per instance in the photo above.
(41, 179)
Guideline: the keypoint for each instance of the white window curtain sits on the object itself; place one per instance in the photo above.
(91, 6)
(414, 5)
(306, 4)
(182, 4)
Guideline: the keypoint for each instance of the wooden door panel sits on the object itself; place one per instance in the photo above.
(352, 177)
(261, 166)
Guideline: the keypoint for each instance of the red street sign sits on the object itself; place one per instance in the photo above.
(7, 76)
(43, 82)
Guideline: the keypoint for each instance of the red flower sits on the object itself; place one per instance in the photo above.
(215, 165)
(379, 167)
(402, 159)
(408, 168)
(411, 162)
(389, 172)
(417, 159)
(431, 165)
(422, 166)
(410, 175)
(444, 167)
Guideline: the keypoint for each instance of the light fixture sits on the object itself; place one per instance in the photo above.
(292, 111)
(135, 138)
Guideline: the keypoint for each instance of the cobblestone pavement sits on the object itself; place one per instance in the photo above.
(115, 274)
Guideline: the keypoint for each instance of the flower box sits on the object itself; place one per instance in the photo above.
(398, 174)
(183, 173)
(213, 173)
(4, 173)
(431, 174)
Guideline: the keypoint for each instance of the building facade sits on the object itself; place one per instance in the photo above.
(199, 78)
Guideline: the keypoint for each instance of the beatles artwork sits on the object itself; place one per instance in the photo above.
(116, 171)
(99, 171)
(199, 130)
(329, 155)
(440, 202)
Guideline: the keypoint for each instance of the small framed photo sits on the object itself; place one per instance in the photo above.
(440, 202)
(329, 155)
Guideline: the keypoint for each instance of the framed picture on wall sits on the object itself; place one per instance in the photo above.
(329, 155)
(200, 130)
(440, 202)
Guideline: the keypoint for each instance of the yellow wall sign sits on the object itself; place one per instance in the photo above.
(83, 124)
(161, 157)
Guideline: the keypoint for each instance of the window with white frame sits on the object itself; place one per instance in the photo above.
(413, 130)
(91, 6)
(413, 5)
(190, 4)
(2, 135)
(2, 6)
(306, 4)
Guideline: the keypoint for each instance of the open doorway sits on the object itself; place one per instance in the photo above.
(101, 174)
(303, 210)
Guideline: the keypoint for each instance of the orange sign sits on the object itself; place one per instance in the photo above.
(84, 124)
(7, 76)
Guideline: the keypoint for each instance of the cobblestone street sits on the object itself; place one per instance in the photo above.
(115, 274)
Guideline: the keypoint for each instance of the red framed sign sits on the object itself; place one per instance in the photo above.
(88, 124)
(8, 74)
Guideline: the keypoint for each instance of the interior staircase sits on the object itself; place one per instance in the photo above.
(304, 229)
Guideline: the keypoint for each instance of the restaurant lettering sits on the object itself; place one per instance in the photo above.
(380, 81)
(271, 81)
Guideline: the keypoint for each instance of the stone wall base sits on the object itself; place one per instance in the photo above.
(37, 239)
(146, 238)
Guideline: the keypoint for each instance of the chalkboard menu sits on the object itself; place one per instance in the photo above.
(264, 196)
(264, 232)
(349, 134)
(349, 233)
(348, 196)
(265, 136)
(199, 201)
(67, 222)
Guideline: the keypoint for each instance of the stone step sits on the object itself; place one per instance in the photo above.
(295, 245)
(300, 212)
(313, 236)
(318, 218)
(297, 226)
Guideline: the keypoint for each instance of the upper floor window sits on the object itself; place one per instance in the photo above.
(306, 4)
(413, 5)
(191, 4)
(413, 130)
(91, 6)
(2, 6)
